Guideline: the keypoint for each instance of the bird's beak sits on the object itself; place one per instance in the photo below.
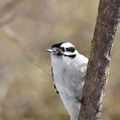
(50, 50)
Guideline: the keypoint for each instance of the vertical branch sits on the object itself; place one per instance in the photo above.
(98, 66)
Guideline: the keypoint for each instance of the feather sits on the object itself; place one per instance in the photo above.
(53, 81)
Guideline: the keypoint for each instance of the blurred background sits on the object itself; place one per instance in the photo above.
(27, 28)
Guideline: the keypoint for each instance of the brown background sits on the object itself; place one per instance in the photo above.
(27, 28)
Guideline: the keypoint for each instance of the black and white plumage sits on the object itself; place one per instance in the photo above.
(69, 70)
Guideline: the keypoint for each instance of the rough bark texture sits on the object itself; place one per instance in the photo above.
(98, 66)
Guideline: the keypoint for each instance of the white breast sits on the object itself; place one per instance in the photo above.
(69, 75)
(68, 72)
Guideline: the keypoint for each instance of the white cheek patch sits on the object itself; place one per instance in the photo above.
(70, 53)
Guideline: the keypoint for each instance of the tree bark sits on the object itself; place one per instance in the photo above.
(100, 57)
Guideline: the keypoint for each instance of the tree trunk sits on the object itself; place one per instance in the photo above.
(98, 66)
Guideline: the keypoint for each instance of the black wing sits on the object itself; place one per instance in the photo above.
(53, 81)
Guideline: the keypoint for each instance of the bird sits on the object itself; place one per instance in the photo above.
(68, 69)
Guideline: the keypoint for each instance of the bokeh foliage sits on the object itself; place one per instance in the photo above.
(27, 28)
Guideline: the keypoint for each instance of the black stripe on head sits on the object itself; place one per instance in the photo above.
(71, 56)
(57, 45)
(70, 49)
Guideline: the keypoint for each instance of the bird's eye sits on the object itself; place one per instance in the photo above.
(63, 49)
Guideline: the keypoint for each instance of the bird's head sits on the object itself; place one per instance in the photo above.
(61, 49)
